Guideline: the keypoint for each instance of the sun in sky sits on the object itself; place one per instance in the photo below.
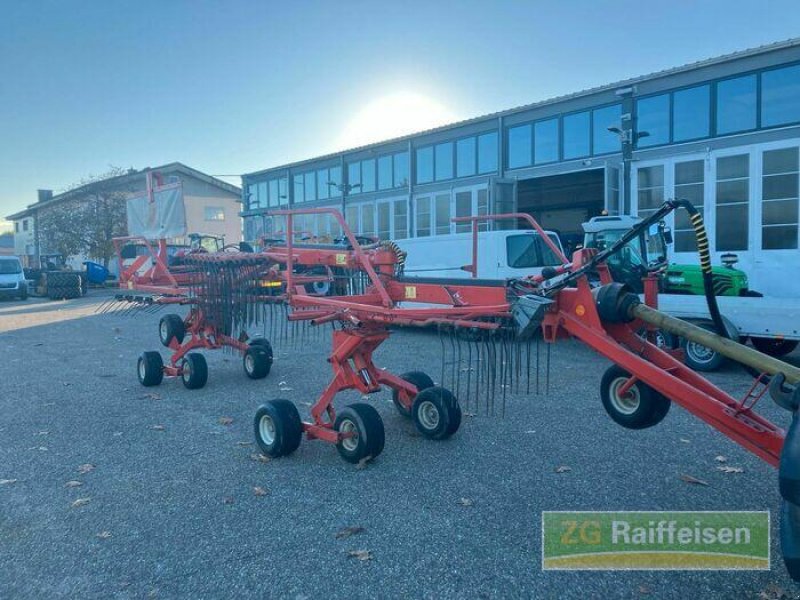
(392, 116)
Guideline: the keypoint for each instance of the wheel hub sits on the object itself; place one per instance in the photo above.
(186, 370)
(266, 429)
(428, 415)
(249, 363)
(349, 443)
(628, 403)
(699, 352)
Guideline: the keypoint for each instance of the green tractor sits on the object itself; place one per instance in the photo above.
(649, 253)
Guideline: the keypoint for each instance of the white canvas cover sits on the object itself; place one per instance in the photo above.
(164, 217)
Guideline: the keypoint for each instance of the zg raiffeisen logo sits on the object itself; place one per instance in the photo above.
(716, 540)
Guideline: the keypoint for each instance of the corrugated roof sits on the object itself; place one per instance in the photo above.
(739, 54)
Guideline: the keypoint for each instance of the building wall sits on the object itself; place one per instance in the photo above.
(205, 204)
(24, 241)
(746, 105)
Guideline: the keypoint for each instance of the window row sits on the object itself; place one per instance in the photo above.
(384, 173)
(569, 137)
(317, 185)
(733, 201)
(268, 194)
(475, 155)
(745, 103)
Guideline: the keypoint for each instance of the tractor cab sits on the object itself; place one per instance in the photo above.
(206, 242)
(643, 255)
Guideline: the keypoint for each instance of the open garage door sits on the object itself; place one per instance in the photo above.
(562, 202)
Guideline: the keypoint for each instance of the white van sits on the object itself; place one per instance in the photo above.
(501, 254)
(12, 279)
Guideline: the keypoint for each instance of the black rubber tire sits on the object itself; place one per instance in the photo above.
(418, 379)
(23, 291)
(436, 413)
(171, 327)
(264, 344)
(650, 409)
(773, 347)
(370, 435)
(790, 537)
(150, 369)
(286, 428)
(699, 358)
(256, 362)
(194, 373)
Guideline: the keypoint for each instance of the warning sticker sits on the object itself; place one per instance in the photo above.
(411, 292)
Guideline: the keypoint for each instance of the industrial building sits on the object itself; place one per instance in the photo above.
(723, 133)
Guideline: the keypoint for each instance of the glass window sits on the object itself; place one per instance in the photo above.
(384, 220)
(603, 141)
(689, 178)
(322, 184)
(274, 195)
(368, 218)
(464, 209)
(351, 218)
(652, 116)
(401, 169)
(368, 175)
(310, 186)
(262, 194)
(779, 210)
(335, 177)
(780, 96)
(212, 213)
(400, 220)
(423, 214)
(465, 157)
(736, 104)
(650, 189)
(283, 191)
(298, 189)
(576, 135)
(733, 197)
(519, 147)
(252, 196)
(425, 165)
(691, 113)
(487, 153)
(354, 177)
(545, 141)
(483, 208)
(442, 214)
(385, 172)
(444, 161)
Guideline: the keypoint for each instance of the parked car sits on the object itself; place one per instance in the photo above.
(12, 279)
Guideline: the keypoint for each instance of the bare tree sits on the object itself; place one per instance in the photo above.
(89, 219)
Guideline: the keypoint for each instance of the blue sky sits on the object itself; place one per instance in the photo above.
(235, 86)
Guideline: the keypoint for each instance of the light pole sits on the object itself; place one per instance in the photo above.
(627, 137)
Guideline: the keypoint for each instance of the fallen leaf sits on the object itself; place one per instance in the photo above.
(157, 427)
(42, 433)
(720, 459)
(259, 491)
(244, 443)
(152, 396)
(644, 590)
(66, 383)
(773, 592)
(104, 535)
(228, 500)
(362, 464)
(729, 469)
(86, 468)
(348, 531)
(73, 483)
(81, 502)
(692, 480)
(465, 502)
(563, 469)
(685, 441)
(225, 420)
(258, 457)
(8, 481)
(360, 554)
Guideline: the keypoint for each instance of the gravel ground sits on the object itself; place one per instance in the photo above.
(170, 509)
